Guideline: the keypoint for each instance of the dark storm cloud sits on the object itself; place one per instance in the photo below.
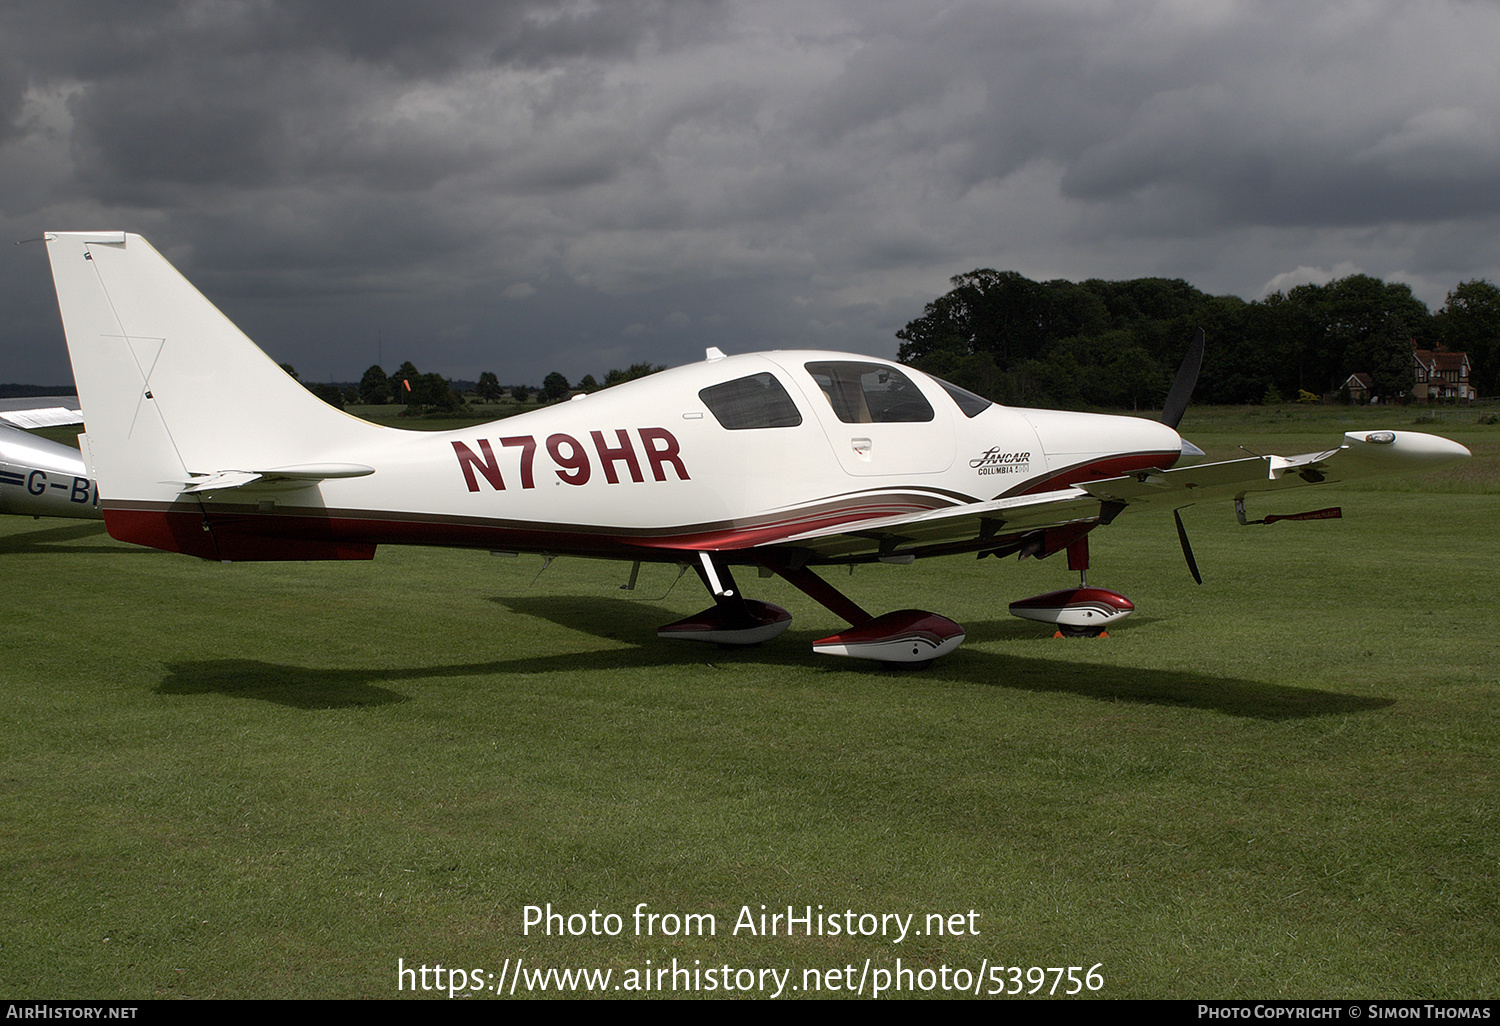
(1266, 114)
(566, 183)
(244, 94)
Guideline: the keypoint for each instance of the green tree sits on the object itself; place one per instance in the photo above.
(432, 392)
(488, 388)
(333, 395)
(1119, 343)
(635, 370)
(1124, 339)
(555, 387)
(1384, 352)
(375, 387)
(1126, 375)
(1356, 320)
(1469, 322)
(1001, 313)
(403, 381)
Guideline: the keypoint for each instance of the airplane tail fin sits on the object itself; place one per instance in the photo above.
(173, 394)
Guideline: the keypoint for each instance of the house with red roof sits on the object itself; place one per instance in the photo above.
(1441, 375)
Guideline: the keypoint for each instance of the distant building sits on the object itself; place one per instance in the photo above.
(1361, 386)
(1441, 375)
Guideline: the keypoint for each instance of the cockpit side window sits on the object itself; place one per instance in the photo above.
(758, 401)
(870, 393)
(971, 404)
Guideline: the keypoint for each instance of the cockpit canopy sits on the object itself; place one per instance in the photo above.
(858, 393)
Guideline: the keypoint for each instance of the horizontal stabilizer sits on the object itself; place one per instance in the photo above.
(220, 479)
(308, 473)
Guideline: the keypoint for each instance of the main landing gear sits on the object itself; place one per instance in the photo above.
(905, 636)
(1080, 612)
(732, 619)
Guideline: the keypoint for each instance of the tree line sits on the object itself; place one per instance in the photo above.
(433, 393)
(1118, 343)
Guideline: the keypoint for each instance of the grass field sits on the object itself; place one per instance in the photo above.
(276, 780)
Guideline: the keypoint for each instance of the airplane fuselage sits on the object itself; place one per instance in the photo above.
(714, 456)
(43, 478)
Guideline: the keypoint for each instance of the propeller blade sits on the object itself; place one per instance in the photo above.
(1187, 550)
(1182, 386)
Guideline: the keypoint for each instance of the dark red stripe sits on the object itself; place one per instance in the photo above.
(1099, 470)
(243, 533)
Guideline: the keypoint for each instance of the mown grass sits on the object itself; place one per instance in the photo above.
(276, 780)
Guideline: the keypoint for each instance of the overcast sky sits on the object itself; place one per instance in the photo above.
(533, 186)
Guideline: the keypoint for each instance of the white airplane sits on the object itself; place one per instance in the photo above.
(781, 461)
(40, 477)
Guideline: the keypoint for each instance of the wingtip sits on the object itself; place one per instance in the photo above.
(1411, 449)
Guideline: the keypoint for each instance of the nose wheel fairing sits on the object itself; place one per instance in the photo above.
(1077, 612)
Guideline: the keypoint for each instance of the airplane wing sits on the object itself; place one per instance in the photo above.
(995, 524)
(41, 411)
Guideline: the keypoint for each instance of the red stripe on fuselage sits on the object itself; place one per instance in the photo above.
(1099, 470)
(243, 533)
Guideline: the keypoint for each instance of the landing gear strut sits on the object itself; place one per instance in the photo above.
(905, 636)
(732, 619)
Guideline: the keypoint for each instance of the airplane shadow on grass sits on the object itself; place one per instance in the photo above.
(61, 539)
(633, 624)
